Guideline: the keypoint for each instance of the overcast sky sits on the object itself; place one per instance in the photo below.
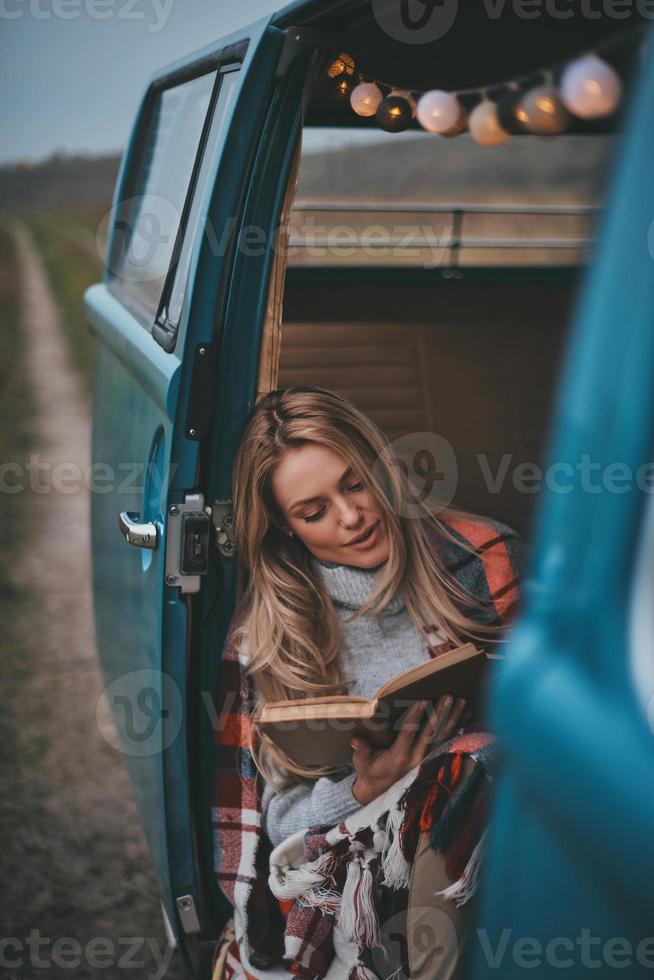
(72, 71)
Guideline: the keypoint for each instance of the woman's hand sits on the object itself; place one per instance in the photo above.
(377, 769)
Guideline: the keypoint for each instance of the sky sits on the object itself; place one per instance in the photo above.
(72, 72)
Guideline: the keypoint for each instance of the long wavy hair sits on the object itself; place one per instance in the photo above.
(289, 637)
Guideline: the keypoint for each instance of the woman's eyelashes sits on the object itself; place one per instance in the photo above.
(313, 517)
(308, 518)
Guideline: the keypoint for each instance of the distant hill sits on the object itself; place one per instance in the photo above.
(409, 168)
(61, 182)
(429, 169)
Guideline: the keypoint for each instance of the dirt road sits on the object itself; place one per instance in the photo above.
(80, 899)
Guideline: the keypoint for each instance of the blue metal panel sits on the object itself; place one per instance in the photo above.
(140, 400)
(128, 612)
(239, 356)
(571, 860)
(151, 368)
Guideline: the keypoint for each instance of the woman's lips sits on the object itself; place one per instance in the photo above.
(369, 541)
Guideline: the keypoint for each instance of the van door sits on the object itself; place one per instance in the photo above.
(173, 248)
(569, 881)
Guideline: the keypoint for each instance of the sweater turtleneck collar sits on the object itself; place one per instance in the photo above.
(350, 586)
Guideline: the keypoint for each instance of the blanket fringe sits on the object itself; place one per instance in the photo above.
(461, 891)
(395, 867)
(325, 899)
(287, 883)
(357, 921)
(361, 972)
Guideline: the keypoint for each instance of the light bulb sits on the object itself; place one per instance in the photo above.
(365, 99)
(342, 87)
(438, 111)
(343, 65)
(394, 114)
(484, 124)
(510, 112)
(590, 88)
(544, 111)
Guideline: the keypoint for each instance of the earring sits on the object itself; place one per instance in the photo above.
(291, 534)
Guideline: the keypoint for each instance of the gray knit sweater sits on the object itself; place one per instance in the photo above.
(374, 649)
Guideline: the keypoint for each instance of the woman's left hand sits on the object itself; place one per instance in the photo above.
(378, 769)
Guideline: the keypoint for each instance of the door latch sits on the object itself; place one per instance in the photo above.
(187, 543)
(188, 539)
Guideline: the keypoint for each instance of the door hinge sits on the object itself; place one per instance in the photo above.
(202, 392)
(223, 521)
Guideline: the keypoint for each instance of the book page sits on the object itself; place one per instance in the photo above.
(438, 664)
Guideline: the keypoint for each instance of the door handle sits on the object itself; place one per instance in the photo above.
(136, 533)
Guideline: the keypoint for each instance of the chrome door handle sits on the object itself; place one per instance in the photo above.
(136, 533)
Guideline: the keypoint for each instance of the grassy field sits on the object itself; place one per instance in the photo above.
(67, 243)
(16, 411)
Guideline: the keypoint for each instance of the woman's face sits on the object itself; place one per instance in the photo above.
(327, 506)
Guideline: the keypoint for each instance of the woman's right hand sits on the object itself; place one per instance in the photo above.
(377, 769)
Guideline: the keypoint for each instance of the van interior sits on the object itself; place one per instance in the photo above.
(431, 280)
(437, 295)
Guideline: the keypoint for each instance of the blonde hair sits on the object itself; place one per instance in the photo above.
(290, 636)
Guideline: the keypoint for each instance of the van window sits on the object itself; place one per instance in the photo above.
(149, 221)
(170, 314)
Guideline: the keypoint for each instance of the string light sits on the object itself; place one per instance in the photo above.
(544, 111)
(438, 111)
(342, 87)
(484, 124)
(510, 111)
(343, 65)
(365, 98)
(589, 88)
(394, 114)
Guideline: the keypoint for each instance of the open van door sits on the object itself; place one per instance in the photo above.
(569, 881)
(213, 144)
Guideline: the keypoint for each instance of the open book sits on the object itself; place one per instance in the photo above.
(317, 731)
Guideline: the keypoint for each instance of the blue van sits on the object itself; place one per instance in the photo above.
(264, 233)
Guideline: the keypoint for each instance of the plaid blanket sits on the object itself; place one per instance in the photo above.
(349, 884)
(293, 935)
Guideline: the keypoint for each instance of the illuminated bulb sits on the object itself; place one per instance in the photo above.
(484, 124)
(365, 99)
(342, 87)
(406, 95)
(510, 112)
(394, 114)
(545, 113)
(590, 88)
(438, 111)
(343, 65)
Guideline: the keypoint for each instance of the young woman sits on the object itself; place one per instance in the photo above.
(353, 579)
